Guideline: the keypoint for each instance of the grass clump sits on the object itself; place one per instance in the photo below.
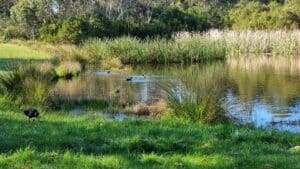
(68, 69)
(27, 85)
(201, 98)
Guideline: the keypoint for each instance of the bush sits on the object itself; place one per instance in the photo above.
(48, 33)
(12, 32)
(256, 15)
(73, 30)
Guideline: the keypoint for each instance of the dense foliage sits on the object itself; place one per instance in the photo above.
(74, 20)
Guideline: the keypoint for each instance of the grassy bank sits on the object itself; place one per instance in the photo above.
(60, 140)
(11, 51)
(181, 48)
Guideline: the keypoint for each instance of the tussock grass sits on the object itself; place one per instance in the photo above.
(201, 98)
(68, 69)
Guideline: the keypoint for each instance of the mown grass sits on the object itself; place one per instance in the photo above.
(11, 51)
(60, 140)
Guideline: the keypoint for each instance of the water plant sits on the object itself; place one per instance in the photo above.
(68, 69)
(155, 51)
(244, 42)
(201, 98)
(26, 85)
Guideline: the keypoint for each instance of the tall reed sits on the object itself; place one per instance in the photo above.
(155, 51)
(275, 42)
(201, 100)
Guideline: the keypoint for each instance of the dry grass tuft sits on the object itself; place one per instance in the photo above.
(154, 110)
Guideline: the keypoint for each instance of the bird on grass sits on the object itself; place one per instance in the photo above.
(31, 113)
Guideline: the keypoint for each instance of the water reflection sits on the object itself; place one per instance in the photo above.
(263, 91)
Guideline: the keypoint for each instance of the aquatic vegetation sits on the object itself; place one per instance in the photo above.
(156, 51)
(68, 69)
(242, 43)
(202, 99)
(25, 85)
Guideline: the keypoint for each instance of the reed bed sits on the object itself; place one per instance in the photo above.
(156, 51)
(241, 43)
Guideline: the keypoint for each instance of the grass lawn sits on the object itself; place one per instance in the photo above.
(10, 51)
(61, 140)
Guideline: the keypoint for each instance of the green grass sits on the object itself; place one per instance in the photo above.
(61, 140)
(10, 51)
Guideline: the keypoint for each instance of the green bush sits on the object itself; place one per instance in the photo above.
(73, 30)
(12, 32)
(48, 33)
(257, 15)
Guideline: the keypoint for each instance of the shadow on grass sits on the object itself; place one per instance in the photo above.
(95, 142)
(7, 64)
(128, 144)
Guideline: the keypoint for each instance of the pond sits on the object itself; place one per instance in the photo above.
(264, 91)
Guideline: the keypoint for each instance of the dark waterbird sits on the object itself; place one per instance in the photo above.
(31, 113)
(129, 79)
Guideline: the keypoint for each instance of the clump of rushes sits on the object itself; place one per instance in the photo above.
(27, 85)
(201, 99)
(68, 69)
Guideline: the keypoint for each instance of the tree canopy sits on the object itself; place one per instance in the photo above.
(73, 20)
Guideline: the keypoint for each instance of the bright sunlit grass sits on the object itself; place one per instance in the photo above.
(10, 51)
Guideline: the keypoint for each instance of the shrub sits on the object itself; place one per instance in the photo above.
(73, 30)
(48, 33)
(257, 15)
(12, 32)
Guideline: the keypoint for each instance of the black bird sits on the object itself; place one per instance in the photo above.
(129, 79)
(31, 113)
(108, 72)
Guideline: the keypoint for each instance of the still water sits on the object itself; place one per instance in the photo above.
(264, 91)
